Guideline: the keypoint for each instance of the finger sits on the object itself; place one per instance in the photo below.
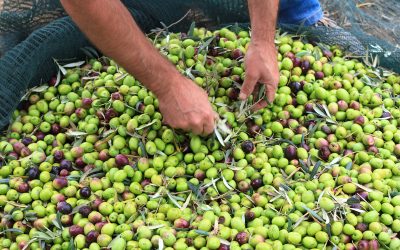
(209, 125)
(197, 127)
(164, 121)
(256, 91)
(259, 105)
(247, 87)
(216, 117)
(270, 91)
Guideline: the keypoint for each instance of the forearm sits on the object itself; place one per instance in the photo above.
(111, 28)
(263, 15)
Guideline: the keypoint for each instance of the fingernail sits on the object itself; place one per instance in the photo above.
(242, 96)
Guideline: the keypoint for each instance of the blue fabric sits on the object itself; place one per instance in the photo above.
(300, 12)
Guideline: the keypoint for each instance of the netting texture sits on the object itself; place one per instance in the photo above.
(35, 32)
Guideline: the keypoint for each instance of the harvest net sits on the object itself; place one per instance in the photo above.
(35, 32)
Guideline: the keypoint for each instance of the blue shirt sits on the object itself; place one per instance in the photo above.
(300, 12)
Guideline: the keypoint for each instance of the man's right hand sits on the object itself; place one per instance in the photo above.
(185, 105)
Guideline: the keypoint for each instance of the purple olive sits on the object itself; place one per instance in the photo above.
(354, 105)
(326, 129)
(55, 170)
(22, 187)
(85, 210)
(96, 203)
(327, 53)
(295, 87)
(236, 54)
(121, 160)
(55, 129)
(254, 130)
(373, 245)
(291, 152)
(64, 207)
(360, 120)
(324, 153)
(199, 174)
(145, 182)
(373, 149)
(223, 247)
(110, 113)
(74, 230)
(342, 105)
(363, 245)
(58, 155)
(386, 115)
(296, 62)
(116, 96)
(319, 75)
(242, 238)
(92, 236)
(60, 182)
(86, 103)
(27, 140)
(362, 227)
(33, 173)
(85, 192)
(308, 107)
(305, 66)
(256, 183)
(79, 163)
(181, 223)
(40, 135)
(249, 215)
(66, 164)
(247, 146)
(233, 93)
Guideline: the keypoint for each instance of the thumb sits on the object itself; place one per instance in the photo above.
(247, 87)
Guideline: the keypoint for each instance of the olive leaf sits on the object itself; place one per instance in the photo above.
(73, 65)
(349, 165)
(225, 242)
(75, 133)
(352, 200)
(186, 202)
(363, 187)
(226, 183)
(315, 169)
(303, 53)
(219, 137)
(304, 166)
(12, 230)
(160, 244)
(146, 125)
(142, 147)
(156, 227)
(195, 188)
(90, 52)
(205, 44)
(191, 29)
(329, 230)
(202, 232)
(173, 200)
(313, 213)
(211, 183)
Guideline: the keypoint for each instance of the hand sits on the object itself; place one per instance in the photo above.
(185, 106)
(261, 68)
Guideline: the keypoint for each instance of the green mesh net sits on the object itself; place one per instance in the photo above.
(35, 32)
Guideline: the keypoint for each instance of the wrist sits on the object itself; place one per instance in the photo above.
(169, 84)
(263, 46)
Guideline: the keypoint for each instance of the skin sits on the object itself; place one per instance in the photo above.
(183, 104)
